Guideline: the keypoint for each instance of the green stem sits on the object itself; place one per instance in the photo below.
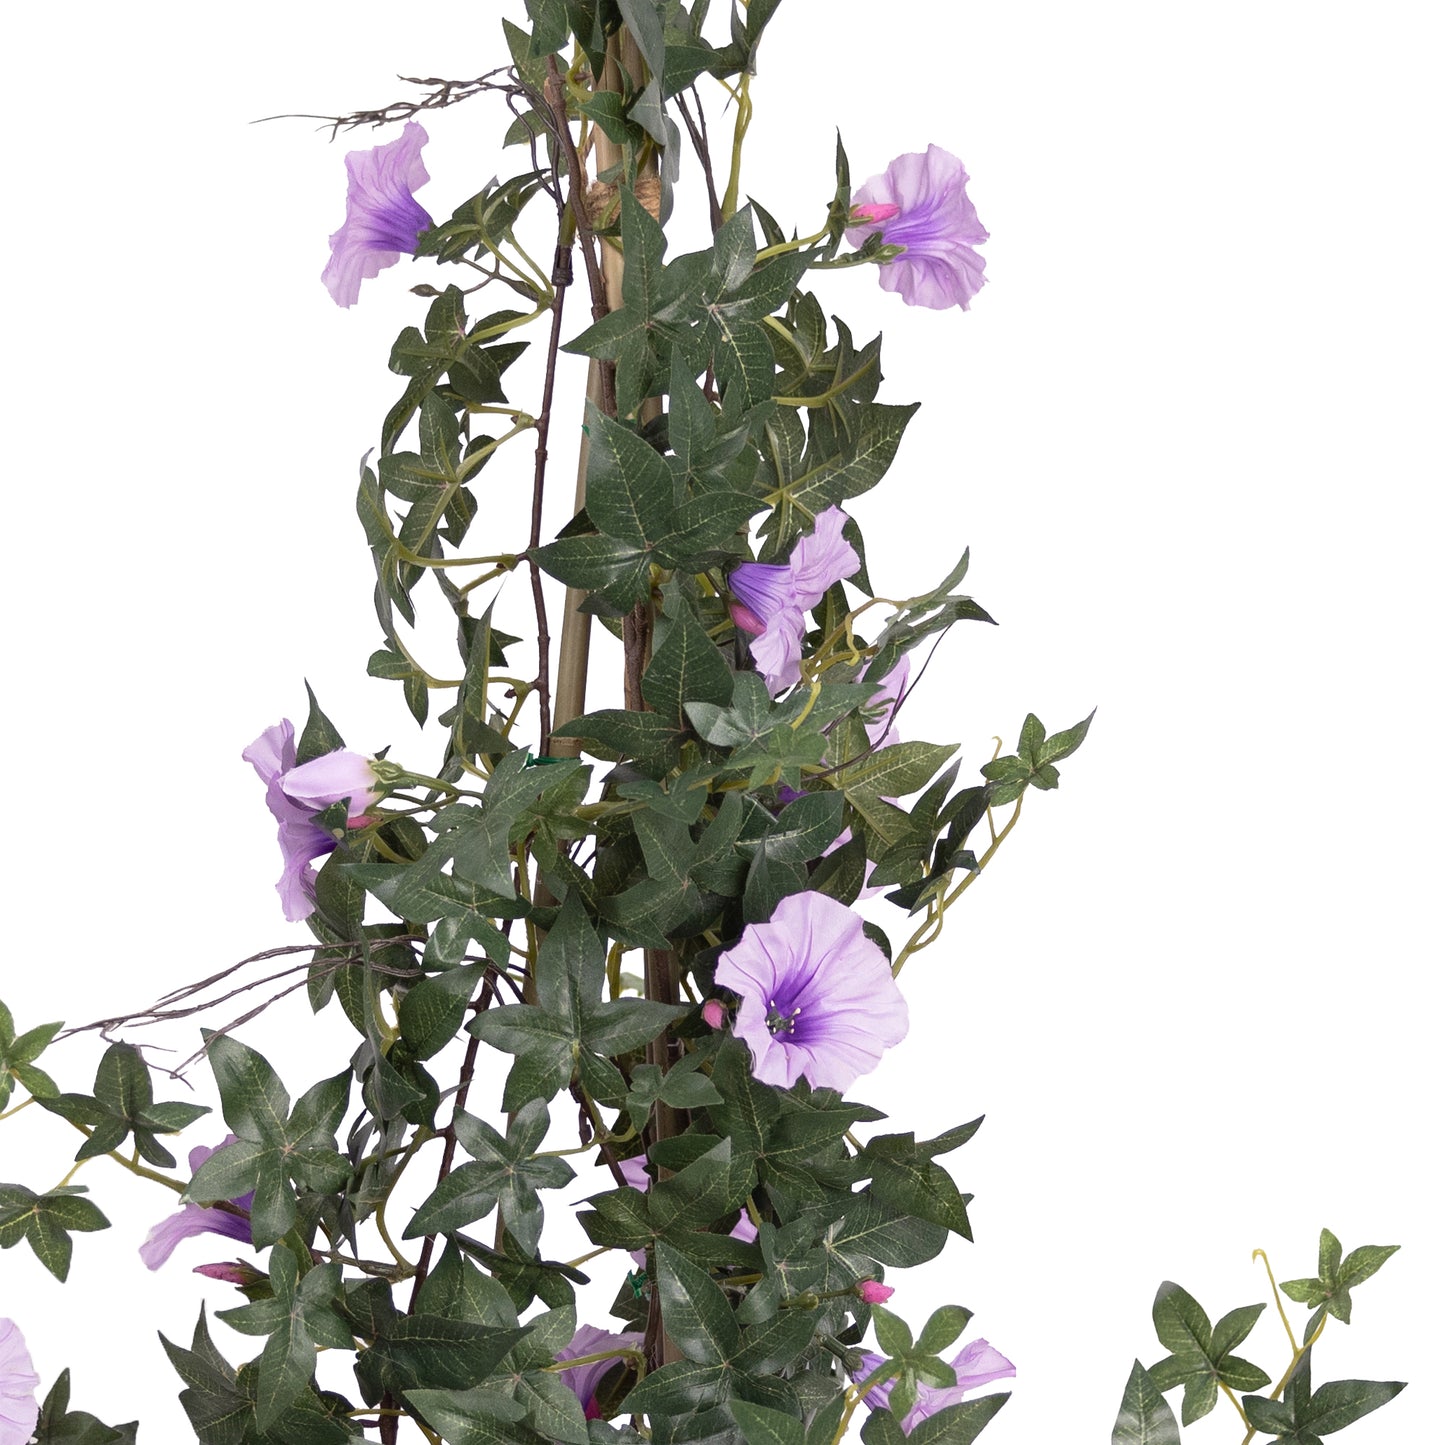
(628, 1353)
(855, 1398)
(135, 1167)
(798, 244)
(506, 561)
(422, 1136)
(1234, 1400)
(1278, 1302)
(740, 131)
(591, 1254)
(932, 926)
(823, 398)
(17, 1108)
(1284, 1379)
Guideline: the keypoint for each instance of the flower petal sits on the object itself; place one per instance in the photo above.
(330, 778)
(817, 996)
(937, 225)
(383, 218)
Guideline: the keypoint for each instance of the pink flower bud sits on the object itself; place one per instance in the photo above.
(873, 213)
(745, 619)
(237, 1273)
(873, 1293)
(714, 1014)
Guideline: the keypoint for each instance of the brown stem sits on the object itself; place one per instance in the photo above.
(449, 1148)
(697, 130)
(561, 278)
(636, 638)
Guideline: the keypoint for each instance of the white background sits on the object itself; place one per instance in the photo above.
(1184, 430)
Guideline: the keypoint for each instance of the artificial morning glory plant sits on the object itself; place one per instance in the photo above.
(662, 918)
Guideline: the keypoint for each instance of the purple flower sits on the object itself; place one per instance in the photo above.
(936, 225)
(383, 218)
(584, 1379)
(818, 996)
(294, 794)
(19, 1409)
(772, 598)
(978, 1363)
(192, 1219)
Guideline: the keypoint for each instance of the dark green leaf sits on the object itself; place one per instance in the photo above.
(761, 1426)
(1144, 1415)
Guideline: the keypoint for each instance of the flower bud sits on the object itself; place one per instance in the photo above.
(714, 1013)
(745, 619)
(234, 1272)
(873, 1293)
(872, 213)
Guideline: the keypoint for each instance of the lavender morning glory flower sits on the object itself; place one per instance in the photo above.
(977, 1364)
(19, 1409)
(383, 218)
(818, 996)
(192, 1219)
(772, 598)
(583, 1380)
(294, 794)
(936, 224)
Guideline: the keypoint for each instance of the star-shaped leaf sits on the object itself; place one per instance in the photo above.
(1033, 764)
(221, 1402)
(681, 1087)
(1200, 1357)
(47, 1221)
(570, 1029)
(1337, 1277)
(550, 1407)
(297, 1318)
(505, 1171)
(17, 1058)
(1303, 1415)
(275, 1144)
(123, 1106)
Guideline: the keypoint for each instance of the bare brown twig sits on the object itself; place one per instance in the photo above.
(441, 94)
(187, 1001)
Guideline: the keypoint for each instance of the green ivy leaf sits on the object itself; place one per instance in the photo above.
(762, 1426)
(504, 1170)
(1144, 1414)
(296, 1319)
(60, 1425)
(570, 1027)
(958, 1424)
(1200, 1357)
(275, 1144)
(220, 1402)
(1336, 1278)
(46, 1222)
(123, 1106)
(18, 1055)
(1302, 1415)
